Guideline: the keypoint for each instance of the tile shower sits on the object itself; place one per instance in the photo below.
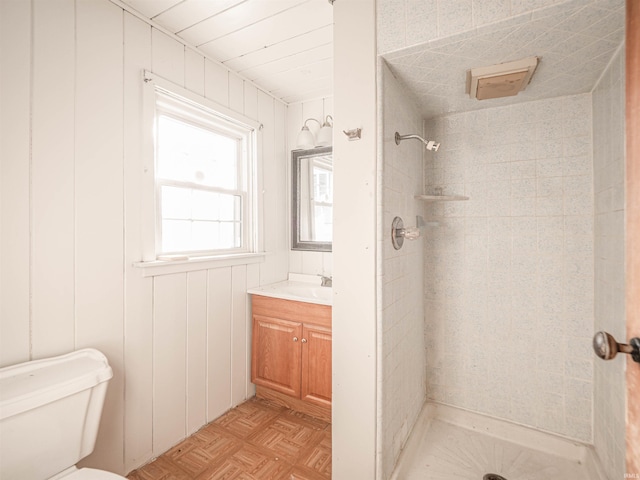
(511, 270)
(517, 279)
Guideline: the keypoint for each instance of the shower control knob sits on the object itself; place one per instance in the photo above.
(606, 347)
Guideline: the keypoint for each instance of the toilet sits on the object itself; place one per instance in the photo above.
(49, 416)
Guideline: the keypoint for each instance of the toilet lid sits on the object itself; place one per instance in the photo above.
(92, 474)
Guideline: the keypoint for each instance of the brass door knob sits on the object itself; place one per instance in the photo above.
(606, 347)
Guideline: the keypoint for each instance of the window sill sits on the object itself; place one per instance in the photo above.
(167, 267)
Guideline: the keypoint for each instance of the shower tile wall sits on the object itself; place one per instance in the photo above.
(401, 383)
(608, 161)
(509, 273)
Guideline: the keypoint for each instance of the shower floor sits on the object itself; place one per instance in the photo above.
(451, 444)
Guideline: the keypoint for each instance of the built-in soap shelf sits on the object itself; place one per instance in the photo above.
(441, 198)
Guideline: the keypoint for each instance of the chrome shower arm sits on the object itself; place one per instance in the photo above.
(429, 144)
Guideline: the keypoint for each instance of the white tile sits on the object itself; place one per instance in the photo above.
(550, 186)
(421, 21)
(488, 12)
(546, 206)
(454, 16)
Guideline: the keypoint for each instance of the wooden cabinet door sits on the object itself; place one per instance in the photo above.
(276, 354)
(316, 365)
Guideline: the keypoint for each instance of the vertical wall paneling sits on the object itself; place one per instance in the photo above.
(15, 30)
(251, 110)
(194, 71)
(196, 350)
(99, 250)
(239, 334)
(295, 258)
(138, 290)
(294, 124)
(327, 257)
(74, 151)
(280, 166)
(169, 360)
(52, 178)
(216, 85)
(167, 57)
(236, 93)
(269, 177)
(250, 100)
(138, 336)
(218, 342)
(253, 280)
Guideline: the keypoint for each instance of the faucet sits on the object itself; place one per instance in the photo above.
(326, 281)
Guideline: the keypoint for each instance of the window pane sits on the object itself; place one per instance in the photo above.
(322, 223)
(176, 202)
(197, 220)
(322, 184)
(175, 235)
(206, 205)
(205, 235)
(227, 208)
(227, 236)
(189, 153)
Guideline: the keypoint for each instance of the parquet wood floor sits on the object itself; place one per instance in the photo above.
(258, 440)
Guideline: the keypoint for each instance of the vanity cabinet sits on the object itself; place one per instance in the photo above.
(291, 354)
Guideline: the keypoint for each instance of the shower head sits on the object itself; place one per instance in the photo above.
(428, 144)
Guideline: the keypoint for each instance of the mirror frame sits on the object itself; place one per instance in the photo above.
(296, 243)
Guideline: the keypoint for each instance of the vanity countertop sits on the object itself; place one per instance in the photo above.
(297, 288)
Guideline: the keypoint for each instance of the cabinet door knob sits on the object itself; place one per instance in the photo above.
(295, 339)
(304, 340)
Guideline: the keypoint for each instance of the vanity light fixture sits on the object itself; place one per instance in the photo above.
(325, 135)
(306, 140)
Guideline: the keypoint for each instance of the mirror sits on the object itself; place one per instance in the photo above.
(312, 199)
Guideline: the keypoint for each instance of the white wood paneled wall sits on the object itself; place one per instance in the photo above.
(308, 262)
(70, 201)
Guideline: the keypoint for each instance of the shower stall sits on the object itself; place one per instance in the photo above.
(486, 320)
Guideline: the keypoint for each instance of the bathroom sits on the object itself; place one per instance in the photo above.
(71, 229)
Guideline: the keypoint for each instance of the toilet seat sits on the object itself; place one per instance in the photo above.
(91, 474)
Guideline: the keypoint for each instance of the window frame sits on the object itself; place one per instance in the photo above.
(222, 119)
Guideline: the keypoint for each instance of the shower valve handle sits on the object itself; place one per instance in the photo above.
(606, 347)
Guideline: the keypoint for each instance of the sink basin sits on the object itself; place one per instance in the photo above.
(307, 291)
(297, 291)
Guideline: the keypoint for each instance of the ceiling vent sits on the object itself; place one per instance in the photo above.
(503, 80)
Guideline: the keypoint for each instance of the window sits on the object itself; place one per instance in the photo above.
(321, 204)
(203, 164)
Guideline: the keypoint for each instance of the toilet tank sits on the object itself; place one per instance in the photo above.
(50, 412)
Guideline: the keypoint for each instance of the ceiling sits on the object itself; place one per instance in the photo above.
(284, 46)
(575, 41)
